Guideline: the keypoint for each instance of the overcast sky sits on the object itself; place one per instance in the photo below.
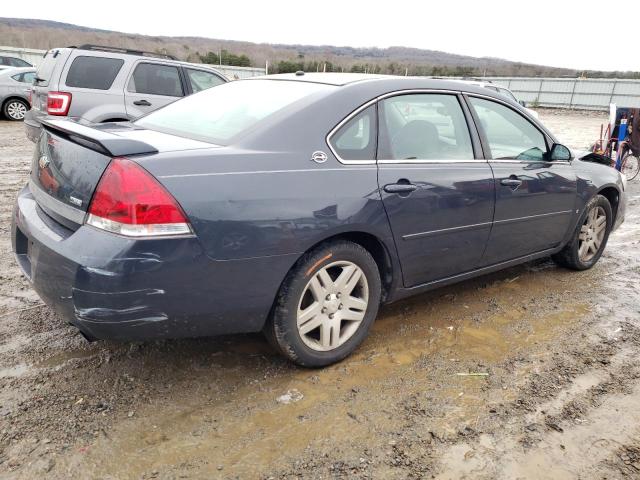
(558, 33)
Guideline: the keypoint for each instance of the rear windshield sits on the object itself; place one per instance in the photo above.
(93, 72)
(218, 114)
(45, 69)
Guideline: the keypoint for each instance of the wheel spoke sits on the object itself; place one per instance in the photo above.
(344, 276)
(311, 325)
(317, 290)
(584, 247)
(352, 315)
(352, 282)
(308, 313)
(354, 303)
(596, 244)
(329, 335)
(324, 277)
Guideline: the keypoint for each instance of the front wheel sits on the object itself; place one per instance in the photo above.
(590, 236)
(326, 305)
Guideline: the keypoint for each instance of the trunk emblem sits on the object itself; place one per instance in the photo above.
(44, 162)
(75, 201)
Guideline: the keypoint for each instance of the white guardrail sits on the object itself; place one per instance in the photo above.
(34, 56)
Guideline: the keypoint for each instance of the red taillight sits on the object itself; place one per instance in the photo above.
(58, 103)
(30, 96)
(129, 201)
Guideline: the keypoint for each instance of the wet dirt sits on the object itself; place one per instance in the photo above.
(528, 373)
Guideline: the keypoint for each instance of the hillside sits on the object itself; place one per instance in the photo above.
(45, 34)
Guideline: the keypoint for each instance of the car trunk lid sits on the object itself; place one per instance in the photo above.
(71, 157)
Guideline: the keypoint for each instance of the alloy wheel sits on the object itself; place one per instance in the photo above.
(592, 233)
(16, 110)
(332, 306)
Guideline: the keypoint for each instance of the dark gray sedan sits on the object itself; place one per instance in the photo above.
(296, 205)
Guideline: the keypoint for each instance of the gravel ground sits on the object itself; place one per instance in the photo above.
(528, 373)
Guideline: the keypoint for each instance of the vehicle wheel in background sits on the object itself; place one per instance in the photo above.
(326, 305)
(15, 109)
(590, 236)
(630, 165)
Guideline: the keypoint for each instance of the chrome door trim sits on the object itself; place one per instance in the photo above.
(339, 125)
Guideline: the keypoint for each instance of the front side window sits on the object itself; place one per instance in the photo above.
(201, 80)
(97, 73)
(156, 79)
(220, 114)
(356, 139)
(509, 134)
(423, 127)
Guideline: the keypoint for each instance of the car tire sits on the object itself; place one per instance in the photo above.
(588, 242)
(326, 305)
(15, 109)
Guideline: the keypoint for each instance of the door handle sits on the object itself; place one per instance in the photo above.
(402, 187)
(142, 103)
(511, 182)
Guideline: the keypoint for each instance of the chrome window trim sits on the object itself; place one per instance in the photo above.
(427, 161)
(368, 104)
(339, 125)
(538, 126)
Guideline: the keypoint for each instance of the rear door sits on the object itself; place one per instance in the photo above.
(152, 85)
(437, 190)
(535, 198)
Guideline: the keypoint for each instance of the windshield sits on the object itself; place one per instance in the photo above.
(218, 114)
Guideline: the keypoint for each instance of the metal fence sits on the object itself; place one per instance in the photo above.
(34, 57)
(587, 94)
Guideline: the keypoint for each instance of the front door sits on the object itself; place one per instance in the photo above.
(438, 193)
(151, 86)
(535, 197)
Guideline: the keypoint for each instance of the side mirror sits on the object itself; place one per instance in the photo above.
(523, 103)
(560, 152)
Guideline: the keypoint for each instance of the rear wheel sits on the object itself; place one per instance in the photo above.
(15, 109)
(326, 305)
(630, 165)
(590, 236)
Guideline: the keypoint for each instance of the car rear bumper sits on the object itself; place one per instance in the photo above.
(112, 287)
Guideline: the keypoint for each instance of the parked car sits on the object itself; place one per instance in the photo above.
(296, 205)
(105, 84)
(15, 85)
(11, 62)
(501, 90)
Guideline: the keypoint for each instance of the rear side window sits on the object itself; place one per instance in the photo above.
(356, 139)
(156, 79)
(424, 127)
(24, 77)
(201, 80)
(93, 72)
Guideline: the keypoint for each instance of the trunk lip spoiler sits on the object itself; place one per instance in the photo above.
(99, 140)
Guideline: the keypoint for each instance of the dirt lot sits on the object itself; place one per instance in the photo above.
(558, 395)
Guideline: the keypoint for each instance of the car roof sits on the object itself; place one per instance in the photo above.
(383, 82)
(17, 70)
